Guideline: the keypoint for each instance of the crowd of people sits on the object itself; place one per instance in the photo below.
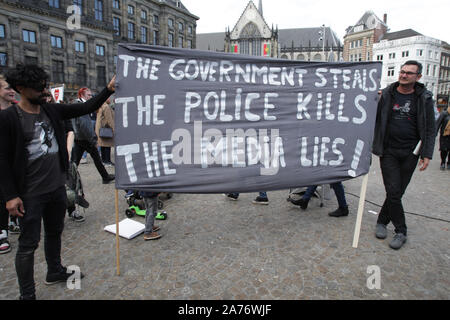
(36, 154)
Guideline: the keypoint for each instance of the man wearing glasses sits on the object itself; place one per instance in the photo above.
(404, 132)
(34, 162)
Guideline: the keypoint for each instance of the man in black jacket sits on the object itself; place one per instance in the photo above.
(34, 162)
(404, 131)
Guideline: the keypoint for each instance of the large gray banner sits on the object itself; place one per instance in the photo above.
(203, 122)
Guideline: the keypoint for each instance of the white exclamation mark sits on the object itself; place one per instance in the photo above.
(357, 155)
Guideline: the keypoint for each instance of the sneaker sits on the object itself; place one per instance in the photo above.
(300, 202)
(443, 166)
(83, 161)
(261, 200)
(152, 236)
(231, 196)
(398, 241)
(53, 278)
(13, 228)
(5, 247)
(109, 178)
(339, 212)
(82, 202)
(381, 231)
(76, 216)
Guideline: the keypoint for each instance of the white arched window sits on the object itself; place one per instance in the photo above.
(250, 40)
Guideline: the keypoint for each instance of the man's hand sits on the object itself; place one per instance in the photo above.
(423, 164)
(112, 84)
(15, 207)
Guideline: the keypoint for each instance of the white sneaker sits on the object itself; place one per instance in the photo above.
(76, 216)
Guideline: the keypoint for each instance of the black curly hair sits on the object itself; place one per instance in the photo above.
(28, 76)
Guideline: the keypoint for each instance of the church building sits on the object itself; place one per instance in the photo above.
(252, 35)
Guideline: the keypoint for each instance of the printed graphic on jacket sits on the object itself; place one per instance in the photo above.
(43, 141)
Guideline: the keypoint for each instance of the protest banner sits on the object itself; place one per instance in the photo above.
(204, 122)
(57, 93)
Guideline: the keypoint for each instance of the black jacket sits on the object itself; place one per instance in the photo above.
(13, 160)
(425, 119)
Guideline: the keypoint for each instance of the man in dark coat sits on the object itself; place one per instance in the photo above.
(404, 132)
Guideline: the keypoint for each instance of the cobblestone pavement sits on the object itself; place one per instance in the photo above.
(213, 248)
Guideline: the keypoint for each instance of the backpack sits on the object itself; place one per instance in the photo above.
(74, 187)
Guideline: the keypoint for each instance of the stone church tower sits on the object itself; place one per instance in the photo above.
(251, 35)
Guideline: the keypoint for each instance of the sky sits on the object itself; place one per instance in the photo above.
(428, 17)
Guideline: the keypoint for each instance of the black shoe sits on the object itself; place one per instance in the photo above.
(442, 166)
(82, 202)
(109, 178)
(300, 202)
(340, 212)
(231, 196)
(28, 297)
(261, 200)
(53, 278)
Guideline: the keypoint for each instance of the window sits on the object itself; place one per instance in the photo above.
(101, 76)
(170, 22)
(155, 37)
(53, 3)
(79, 3)
(180, 42)
(31, 60)
(380, 57)
(116, 25)
(434, 70)
(130, 10)
(391, 72)
(29, 36)
(392, 55)
(98, 9)
(156, 19)
(115, 60)
(130, 30)
(405, 54)
(170, 44)
(428, 69)
(180, 26)
(419, 52)
(99, 50)
(56, 41)
(79, 46)
(189, 43)
(190, 30)
(143, 14)
(143, 35)
(81, 74)
(2, 31)
(58, 71)
(360, 57)
(368, 56)
(116, 4)
(3, 59)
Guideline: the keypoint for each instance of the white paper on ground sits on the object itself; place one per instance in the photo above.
(128, 228)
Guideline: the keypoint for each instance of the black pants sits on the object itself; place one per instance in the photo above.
(445, 155)
(397, 168)
(50, 208)
(82, 145)
(106, 154)
(3, 216)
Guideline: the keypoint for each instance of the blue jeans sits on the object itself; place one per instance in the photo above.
(50, 208)
(338, 191)
(261, 194)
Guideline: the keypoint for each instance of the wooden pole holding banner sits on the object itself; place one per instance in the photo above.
(117, 232)
(362, 199)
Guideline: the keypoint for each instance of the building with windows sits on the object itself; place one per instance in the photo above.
(396, 48)
(75, 41)
(360, 38)
(444, 78)
(251, 35)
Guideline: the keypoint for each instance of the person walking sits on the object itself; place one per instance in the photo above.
(105, 119)
(443, 128)
(260, 199)
(338, 188)
(86, 139)
(7, 98)
(32, 182)
(404, 132)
